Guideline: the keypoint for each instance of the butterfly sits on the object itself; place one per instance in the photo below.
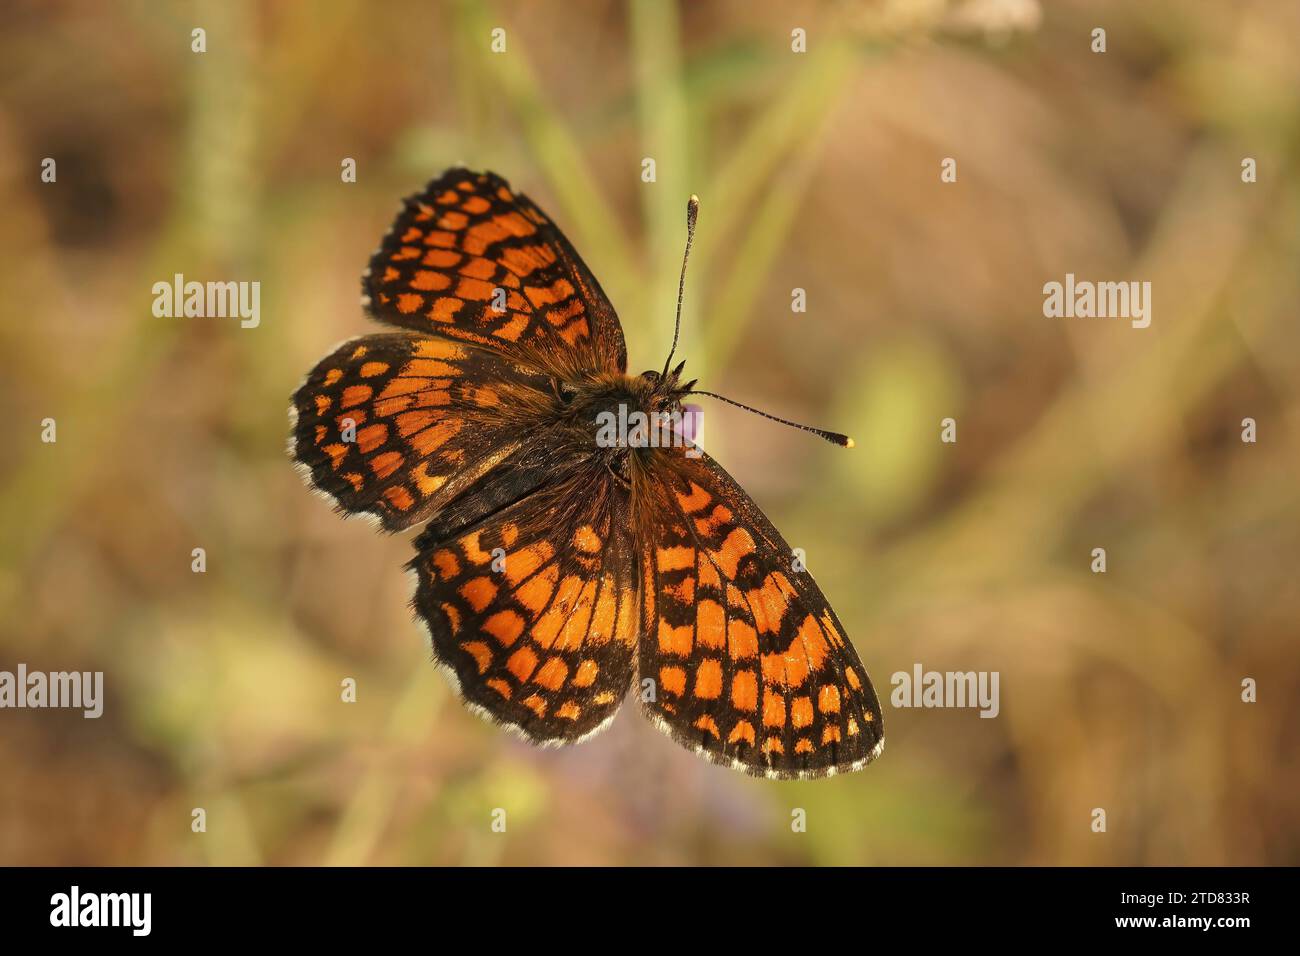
(556, 571)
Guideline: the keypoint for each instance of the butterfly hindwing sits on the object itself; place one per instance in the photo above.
(395, 425)
(751, 665)
(533, 608)
(468, 258)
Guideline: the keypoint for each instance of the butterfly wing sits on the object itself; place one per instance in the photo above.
(532, 607)
(470, 259)
(751, 666)
(397, 425)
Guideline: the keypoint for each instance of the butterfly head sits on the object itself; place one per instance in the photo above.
(666, 391)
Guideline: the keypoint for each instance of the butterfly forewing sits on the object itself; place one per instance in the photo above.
(751, 665)
(469, 258)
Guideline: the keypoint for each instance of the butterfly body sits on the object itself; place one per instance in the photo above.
(562, 565)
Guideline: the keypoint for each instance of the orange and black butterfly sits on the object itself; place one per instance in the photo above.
(555, 570)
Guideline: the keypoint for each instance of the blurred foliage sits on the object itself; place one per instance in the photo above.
(816, 170)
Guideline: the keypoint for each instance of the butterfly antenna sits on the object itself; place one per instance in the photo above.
(835, 438)
(692, 210)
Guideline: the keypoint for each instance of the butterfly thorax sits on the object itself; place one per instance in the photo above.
(619, 418)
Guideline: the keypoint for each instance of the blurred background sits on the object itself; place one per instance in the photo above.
(816, 170)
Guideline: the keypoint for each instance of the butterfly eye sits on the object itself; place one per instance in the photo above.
(563, 390)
